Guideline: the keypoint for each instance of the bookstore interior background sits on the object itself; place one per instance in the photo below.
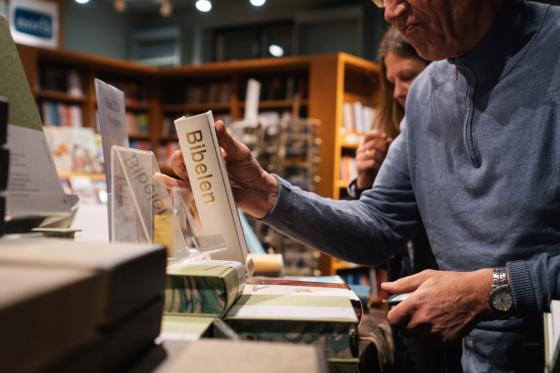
(314, 67)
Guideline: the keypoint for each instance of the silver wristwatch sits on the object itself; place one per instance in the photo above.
(501, 299)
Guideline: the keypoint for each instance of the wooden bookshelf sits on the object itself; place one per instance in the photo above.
(319, 87)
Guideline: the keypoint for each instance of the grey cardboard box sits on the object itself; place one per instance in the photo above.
(128, 275)
(44, 313)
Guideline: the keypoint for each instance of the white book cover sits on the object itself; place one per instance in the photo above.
(210, 184)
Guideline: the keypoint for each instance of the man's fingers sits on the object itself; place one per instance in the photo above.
(169, 182)
(178, 165)
(401, 314)
(407, 284)
(233, 149)
(374, 135)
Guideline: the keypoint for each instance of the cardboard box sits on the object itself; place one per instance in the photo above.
(44, 314)
(127, 275)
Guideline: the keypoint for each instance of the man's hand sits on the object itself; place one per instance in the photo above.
(253, 188)
(445, 305)
(369, 156)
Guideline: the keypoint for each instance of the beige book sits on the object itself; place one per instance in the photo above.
(210, 184)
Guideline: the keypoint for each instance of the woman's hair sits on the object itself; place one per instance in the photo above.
(390, 113)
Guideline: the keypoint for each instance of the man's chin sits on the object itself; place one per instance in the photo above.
(431, 52)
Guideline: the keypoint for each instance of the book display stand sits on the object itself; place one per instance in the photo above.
(143, 211)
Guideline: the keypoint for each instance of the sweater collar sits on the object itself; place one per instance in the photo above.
(512, 29)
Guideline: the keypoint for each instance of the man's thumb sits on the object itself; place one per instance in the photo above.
(232, 147)
(406, 284)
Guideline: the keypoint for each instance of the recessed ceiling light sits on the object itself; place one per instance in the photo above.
(257, 2)
(203, 5)
(276, 50)
(82, 1)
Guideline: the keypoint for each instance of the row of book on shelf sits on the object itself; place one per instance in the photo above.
(59, 114)
(357, 118)
(138, 123)
(61, 80)
(348, 170)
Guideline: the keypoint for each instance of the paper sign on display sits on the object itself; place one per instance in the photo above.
(111, 117)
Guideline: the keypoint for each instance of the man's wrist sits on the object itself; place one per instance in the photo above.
(270, 193)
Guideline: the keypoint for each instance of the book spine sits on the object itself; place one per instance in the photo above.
(210, 184)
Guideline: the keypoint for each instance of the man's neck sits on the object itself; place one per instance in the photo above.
(482, 15)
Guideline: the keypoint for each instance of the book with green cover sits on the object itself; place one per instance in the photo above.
(202, 287)
(185, 327)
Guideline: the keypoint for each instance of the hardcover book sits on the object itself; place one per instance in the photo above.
(205, 287)
(210, 184)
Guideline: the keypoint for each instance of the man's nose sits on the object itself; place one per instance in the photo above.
(394, 9)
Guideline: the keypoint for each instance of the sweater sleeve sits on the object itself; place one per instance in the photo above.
(534, 283)
(366, 231)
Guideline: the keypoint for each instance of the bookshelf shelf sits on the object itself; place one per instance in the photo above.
(60, 96)
(342, 184)
(139, 136)
(277, 104)
(217, 106)
(137, 106)
(92, 176)
(350, 146)
(168, 139)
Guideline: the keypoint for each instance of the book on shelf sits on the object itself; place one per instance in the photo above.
(141, 144)
(357, 119)
(62, 80)
(552, 338)
(282, 88)
(59, 114)
(134, 92)
(348, 170)
(138, 123)
(214, 92)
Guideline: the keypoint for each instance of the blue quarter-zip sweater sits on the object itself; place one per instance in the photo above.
(478, 162)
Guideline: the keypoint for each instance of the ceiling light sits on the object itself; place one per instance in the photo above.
(257, 2)
(166, 8)
(120, 5)
(82, 1)
(276, 50)
(203, 5)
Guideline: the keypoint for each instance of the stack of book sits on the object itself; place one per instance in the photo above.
(552, 337)
(4, 159)
(58, 114)
(285, 310)
(76, 306)
(348, 170)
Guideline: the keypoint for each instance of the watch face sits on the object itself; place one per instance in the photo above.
(501, 299)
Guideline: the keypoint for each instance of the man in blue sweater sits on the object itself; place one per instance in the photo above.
(477, 161)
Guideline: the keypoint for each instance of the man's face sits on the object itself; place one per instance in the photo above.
(435, 28)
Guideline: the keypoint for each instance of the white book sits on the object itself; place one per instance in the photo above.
(552, 337)
(210, 184)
